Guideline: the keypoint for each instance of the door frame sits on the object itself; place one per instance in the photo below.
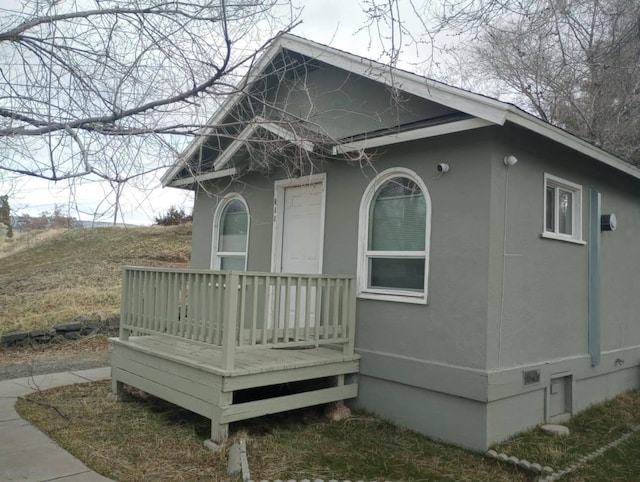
(279, 189)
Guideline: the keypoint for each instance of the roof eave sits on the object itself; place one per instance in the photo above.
(569, 140)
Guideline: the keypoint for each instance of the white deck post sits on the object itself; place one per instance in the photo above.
(351, 323)
(230, 319)
(125, 305)
(220, 431)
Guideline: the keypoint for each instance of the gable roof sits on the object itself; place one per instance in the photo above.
(481, 110)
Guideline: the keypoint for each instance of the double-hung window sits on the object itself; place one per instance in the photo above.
(562, 209)
(231, 227)
(394, 238)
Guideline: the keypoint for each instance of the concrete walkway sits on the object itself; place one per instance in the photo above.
(26, 453)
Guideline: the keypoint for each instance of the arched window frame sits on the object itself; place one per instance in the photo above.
(364, 291)
(216, 256)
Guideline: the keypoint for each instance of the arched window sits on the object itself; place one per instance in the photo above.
(230, 234)
(395, 216)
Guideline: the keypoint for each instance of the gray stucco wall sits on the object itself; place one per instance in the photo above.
(538, 287)
(452, 419)
(544, 307)
(338, 103)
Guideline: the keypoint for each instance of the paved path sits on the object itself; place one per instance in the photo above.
(27, 454)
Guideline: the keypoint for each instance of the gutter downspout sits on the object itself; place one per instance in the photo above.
(593, 324)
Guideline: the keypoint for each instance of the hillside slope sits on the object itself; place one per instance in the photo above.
(54, 277)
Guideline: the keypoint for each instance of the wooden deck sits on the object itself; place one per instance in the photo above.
(224, 362)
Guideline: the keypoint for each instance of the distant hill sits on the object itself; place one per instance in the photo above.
(49, 277)
(24, 223)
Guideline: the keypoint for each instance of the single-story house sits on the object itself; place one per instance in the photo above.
(472, 269)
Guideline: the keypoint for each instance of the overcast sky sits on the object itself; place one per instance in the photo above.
(331, 22)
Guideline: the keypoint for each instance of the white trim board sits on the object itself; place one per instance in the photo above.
(204, 177)
(423, 133)
(567, 139)
(254, 125)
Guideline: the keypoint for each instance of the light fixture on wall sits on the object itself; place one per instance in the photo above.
(510, 161)
(608, 222)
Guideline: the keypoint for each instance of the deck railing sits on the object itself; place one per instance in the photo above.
(239, 310)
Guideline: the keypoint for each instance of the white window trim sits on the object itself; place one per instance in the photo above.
(215, 255)
(279, 189)
(576, 189)
(364, 291)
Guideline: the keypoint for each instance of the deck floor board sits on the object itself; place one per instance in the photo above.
(247, 361)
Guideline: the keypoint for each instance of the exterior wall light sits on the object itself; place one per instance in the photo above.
(608, 222)
(510, 161)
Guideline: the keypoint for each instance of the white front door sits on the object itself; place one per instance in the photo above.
(298, 243)
(302, 229)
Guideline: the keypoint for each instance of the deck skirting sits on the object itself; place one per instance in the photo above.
(188, 376)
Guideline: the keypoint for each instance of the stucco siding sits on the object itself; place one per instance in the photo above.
(203, 207)
(257, 191)
(508, 416)
(452, 327)
(596, 389)
(445, 417)
(339, 104)
(543, 303)
(620, 264)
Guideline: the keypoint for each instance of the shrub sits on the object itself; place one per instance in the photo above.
(173, 217)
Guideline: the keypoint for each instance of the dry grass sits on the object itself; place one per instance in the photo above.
(149, 439)
(23, 241)
(84, 347)
(590, 430)
(145, 439)
(51, 277)
(364, 447)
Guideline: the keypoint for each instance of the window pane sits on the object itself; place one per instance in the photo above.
(397, 218)
(550, 215)
(565, 212)
(233, 228)
(232, 263)
(388, 273)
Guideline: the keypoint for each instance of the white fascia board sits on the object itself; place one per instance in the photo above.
(168, 176)
(284, 133)
(259, 122)
(237, 143)
(563, 137)
(476, 105)
(204, 177)
(412, 135)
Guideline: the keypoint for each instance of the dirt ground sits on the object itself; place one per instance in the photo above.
(90, 352)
